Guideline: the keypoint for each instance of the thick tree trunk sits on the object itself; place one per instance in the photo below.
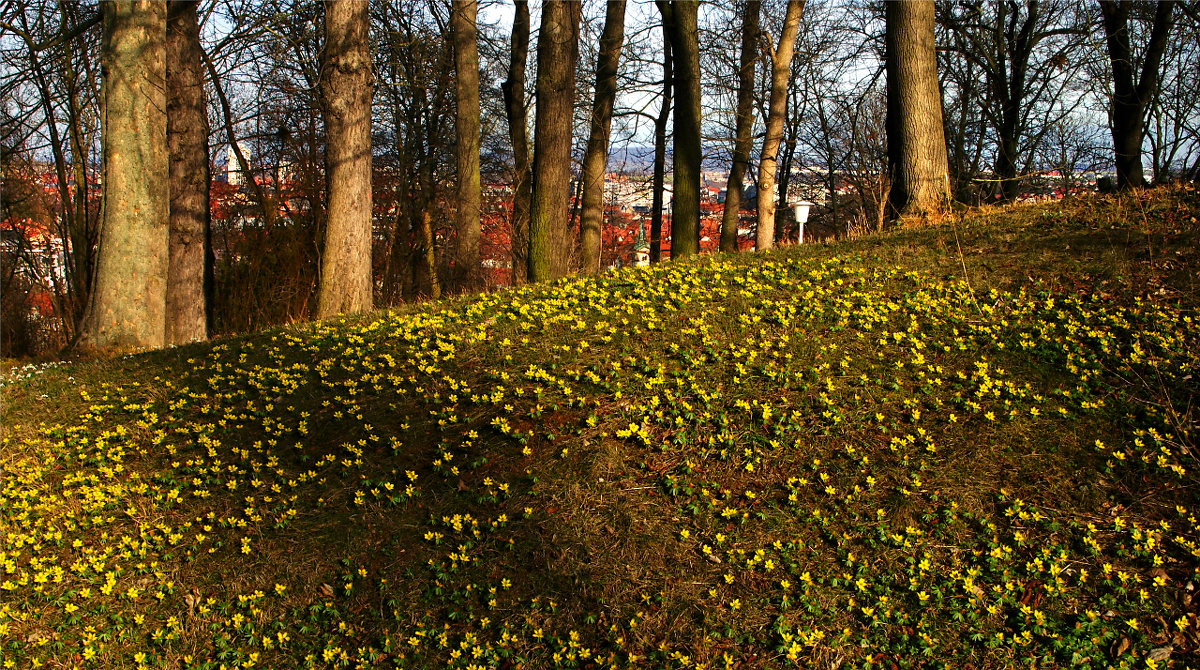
(467, 268)
(346, 107)
(660, 152)
(518, 132)
(128, 308)
(681, 22)
(595, 160)
(558, 51)
(1130, 97)
(916, 139)
(187, 144)
(781, 70)
(743, 132)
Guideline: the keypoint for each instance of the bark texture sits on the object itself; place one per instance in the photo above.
(915, 137)
(128, 308)
(595, 160)
(1131, 96)
(781, 70)
(681, 23)
(187, 145)
(518, 133)
(467, 268)
(558, 52)
(346, 106)
(743, 131)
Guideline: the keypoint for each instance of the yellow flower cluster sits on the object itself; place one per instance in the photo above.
(726, 463)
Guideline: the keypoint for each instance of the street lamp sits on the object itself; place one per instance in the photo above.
(800, 209)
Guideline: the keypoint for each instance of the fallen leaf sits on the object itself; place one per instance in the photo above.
(192, 599)
(1161, 653)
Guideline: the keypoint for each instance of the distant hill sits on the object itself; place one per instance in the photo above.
(963, 444)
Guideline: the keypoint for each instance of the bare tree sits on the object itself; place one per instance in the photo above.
(128, 307)
(595, 159)
(466, 146)
(1173, 117)
(915, 137)
(1132, 95)
(518, 132)
(415, 87)
(1027, 56)
(781, 64)
(681, 24)
(743, 135)
(57, 60)
(864, 161)
(558, 51)
(346, 106)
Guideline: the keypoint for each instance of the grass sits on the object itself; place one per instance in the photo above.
(970, 444)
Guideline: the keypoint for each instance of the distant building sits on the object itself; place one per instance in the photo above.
(641, 248)
(233, 172)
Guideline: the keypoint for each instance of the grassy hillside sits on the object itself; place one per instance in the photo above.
(966, 445)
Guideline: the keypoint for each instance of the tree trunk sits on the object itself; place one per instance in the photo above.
(660, 152)
(187, 144)
(346, 107)
(1006, 159)
(915, 137)
(595, 160)
(467, 268)
(681, 23)
(429, 256)
(781, 70)
(743, 133)
(558, 51)
(518, 132)
(576, 199)
(128, 308)
(792, 118)
(1130, 97)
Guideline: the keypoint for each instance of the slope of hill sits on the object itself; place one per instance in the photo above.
(971, 444)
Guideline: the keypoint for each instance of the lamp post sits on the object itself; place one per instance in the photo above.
(800, 209)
